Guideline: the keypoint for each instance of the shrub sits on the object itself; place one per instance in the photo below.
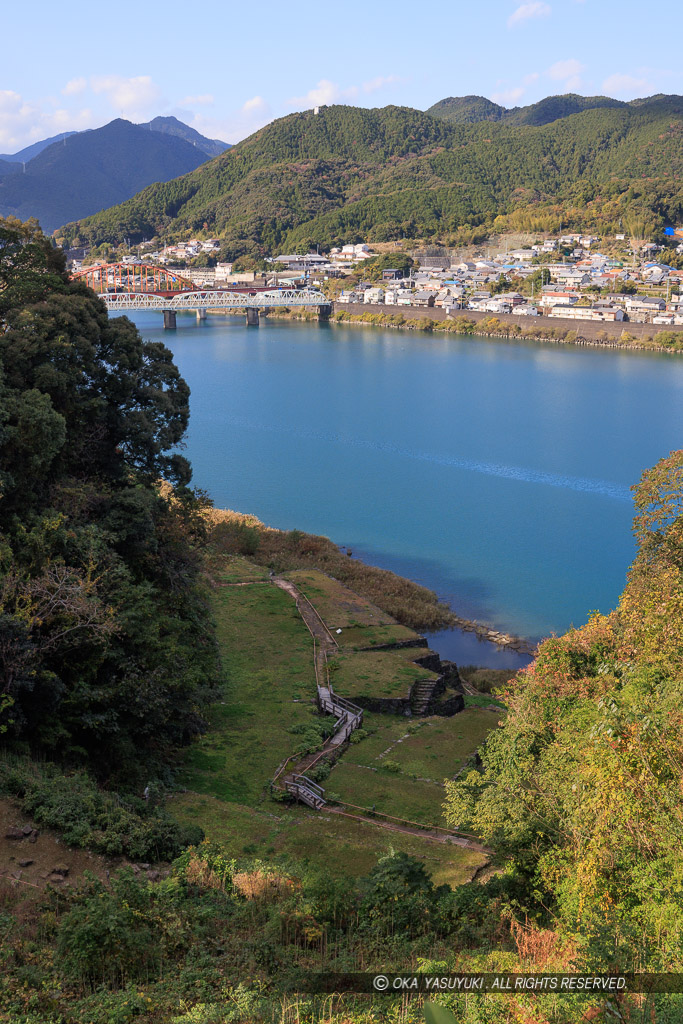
(110, 936)
(90, 817)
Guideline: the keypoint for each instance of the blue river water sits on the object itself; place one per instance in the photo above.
(496, 473)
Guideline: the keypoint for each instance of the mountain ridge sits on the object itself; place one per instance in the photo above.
(352, 173)
(93, 170)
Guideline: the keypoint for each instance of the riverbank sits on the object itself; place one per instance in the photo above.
(553, 330)
(624, 336)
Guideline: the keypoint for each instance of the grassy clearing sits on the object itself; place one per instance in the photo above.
(267, 653)
(344, 846)
(374, 674)
(440, 746)
(337, 605)
(412, 799)
(432, 748)
(362, 637)
(241, 570)
(361, 622)
(268, 657)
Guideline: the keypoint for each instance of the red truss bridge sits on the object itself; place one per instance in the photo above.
(131, 286)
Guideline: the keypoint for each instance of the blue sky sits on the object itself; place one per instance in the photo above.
(227, 68)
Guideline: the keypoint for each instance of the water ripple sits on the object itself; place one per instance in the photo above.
(522, 474)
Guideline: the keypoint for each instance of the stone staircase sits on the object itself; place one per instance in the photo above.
(421, 695)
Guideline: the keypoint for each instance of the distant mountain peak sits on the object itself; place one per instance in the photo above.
(170, 125)
(96, 169)
(471, 109)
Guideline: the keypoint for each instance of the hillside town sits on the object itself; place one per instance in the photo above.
(570, 278)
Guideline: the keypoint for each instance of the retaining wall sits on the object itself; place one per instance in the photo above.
(587, 329)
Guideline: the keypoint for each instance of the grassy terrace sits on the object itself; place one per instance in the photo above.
(374, 674)
(431, 748)
(270, 687)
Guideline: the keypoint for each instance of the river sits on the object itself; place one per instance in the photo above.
(496, 473)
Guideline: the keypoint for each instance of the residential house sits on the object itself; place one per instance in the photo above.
(600, 312)
(423, 298)
(525, 310)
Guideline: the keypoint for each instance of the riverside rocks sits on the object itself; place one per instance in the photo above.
(517, 643)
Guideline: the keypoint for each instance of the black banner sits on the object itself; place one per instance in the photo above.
(435, 984)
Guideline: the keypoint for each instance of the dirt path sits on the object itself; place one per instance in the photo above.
(432, 837)
(324, 641)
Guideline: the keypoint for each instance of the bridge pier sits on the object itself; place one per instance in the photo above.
(169, 320)
(201, 314)
(324, 312)
(252, 316)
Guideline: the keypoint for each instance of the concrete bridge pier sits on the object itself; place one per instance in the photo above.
(169, 320)
(324, 312)
(201, 314)
(252, 316)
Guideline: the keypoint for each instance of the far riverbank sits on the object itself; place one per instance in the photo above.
(624, 336)
(619, 335)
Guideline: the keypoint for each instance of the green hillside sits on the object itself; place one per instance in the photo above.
(471, 109)
(349, 173)
(467, 109)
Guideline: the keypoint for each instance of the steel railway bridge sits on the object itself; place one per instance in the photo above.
(131, 286)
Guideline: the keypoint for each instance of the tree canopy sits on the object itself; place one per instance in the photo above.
(106, 646)
(582, 785)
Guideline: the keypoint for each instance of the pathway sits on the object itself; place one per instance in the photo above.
(349, 717)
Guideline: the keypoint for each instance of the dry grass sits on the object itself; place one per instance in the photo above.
(262, 885)
(407, 602)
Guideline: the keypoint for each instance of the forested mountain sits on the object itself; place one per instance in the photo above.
(91, 170)
(172, 126)
(351, 174)
(7, 167)
(470, 109)
(28, 152)
(467, 109)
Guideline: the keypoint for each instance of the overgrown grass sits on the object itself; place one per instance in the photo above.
(339, 845)
(268, 659)
(407, 602)
(92, 818)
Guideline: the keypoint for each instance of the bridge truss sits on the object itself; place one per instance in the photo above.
(215, 299)
(110, 278)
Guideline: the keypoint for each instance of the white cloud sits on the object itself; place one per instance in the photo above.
(324, 93)
(620, 84)
(327, 92)
(507, 97)
(134, 97)
(525, 12)
(23, 122)
(568, 72)
(380, 83)
(205, 100)
(254, 104)
(75, 87)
